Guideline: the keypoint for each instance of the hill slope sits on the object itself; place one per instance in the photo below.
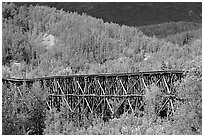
(132, 14)
(82, 44)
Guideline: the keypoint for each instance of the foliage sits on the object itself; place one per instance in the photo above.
(23, 112)
(131, 13)
(189, 115)
(58, 40)
(184, 38)
(184, 121)
(41, 41)
(166, 29)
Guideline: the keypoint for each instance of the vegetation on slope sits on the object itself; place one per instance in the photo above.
(25, 113)
(185, 37)
(171, 28)
(42, 41)
(81, 44)
(132, 13)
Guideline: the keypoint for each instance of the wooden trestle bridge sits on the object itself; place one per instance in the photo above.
(106, 94)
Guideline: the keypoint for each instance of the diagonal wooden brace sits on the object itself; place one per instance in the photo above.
(133, 86)
(105, 98)
(120, 104)
(64, 97)
(22, 96)
(77, 103)
(147, 90)
(85, 98)
(97, 105)
(168, 90)
(45, 88)
(163, 105)
(157, 81)
(126, 94)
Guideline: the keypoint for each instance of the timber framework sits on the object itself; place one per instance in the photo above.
(105, 94)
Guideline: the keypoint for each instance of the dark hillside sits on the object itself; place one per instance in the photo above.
(171, 28)
(132, 14)
(184, 37)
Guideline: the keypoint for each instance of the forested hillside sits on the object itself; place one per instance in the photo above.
(180, 33)
(132, 13)
(42, 41)
(83, 44)
(166, 29)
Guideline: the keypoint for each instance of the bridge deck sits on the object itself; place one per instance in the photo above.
(97, 75)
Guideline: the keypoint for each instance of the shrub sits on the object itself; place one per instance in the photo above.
(188, 117)
(23, 111)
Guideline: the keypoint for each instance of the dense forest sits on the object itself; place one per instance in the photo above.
(131, 13)
(67, 43)
(42, 41)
